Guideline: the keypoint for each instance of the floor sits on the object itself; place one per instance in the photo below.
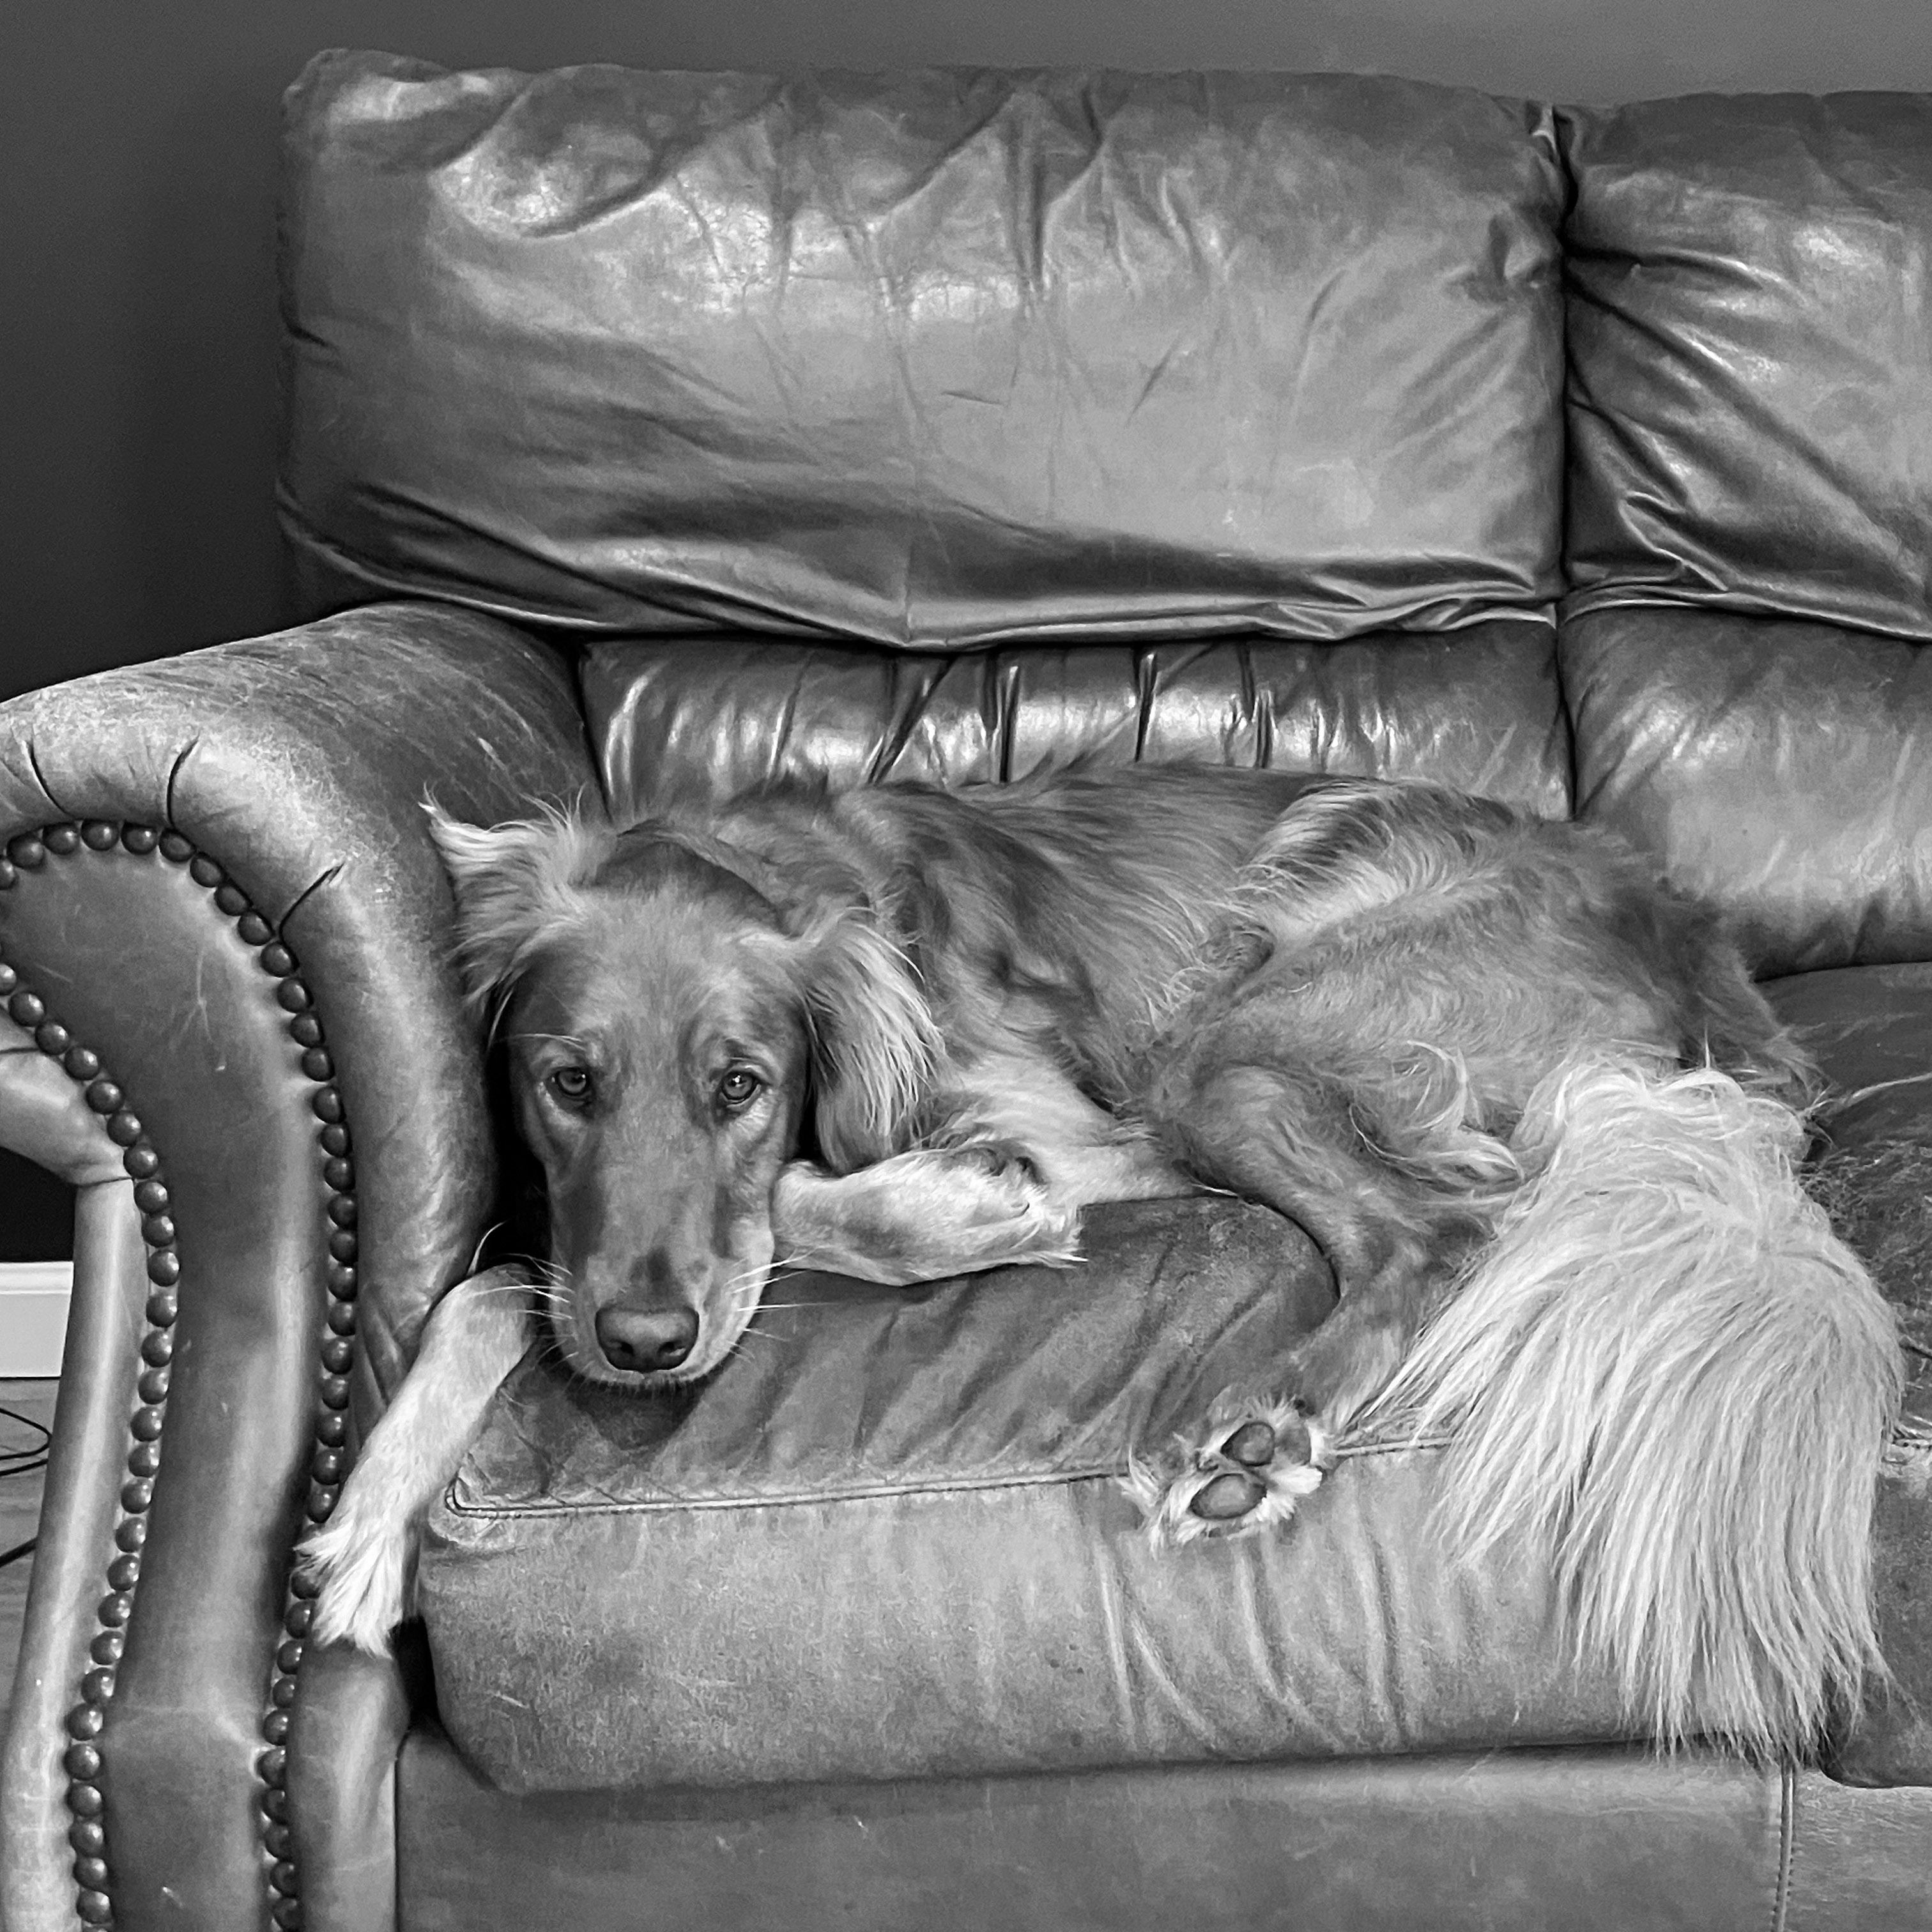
(19, 1510)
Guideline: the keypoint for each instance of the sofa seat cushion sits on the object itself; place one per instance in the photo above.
(1871, 1030)
(889, 1539)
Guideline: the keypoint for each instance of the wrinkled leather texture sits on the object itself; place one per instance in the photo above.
(888, 1540)
(300, 762)
(1480, 710)
(1751, 350)
(1782, 770)
(1871, 1030)
(930, 359)
(1857, 1859)
(1514, 1841)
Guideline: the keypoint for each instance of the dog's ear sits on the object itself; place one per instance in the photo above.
(515, 884)
(875, 1042)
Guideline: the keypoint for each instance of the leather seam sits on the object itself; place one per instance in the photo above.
(855, 1492)
(1787, 1844)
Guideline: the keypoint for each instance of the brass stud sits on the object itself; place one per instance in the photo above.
(100, 835)
(52, 1038)
(81, 1063)
(164, 1267)
(317, 1063)
(90, 1872)
(176, 849)
(82, 1761)
(151, 1197)
(123, 1572)
(255, 929)
(157, 1348)
(158, 1230)
(146, 1424)
(10, 875)
(107, 1646)
(271, 1766)
(84, 1800)
(277, 959)
(98, 1686)
(130, 1534)
(138, 1494)
(342, 1280)
(27, 1008)
(141, 1161)
(94, 1908)
(123, 1129)
(84, 1720)
(275, 1726)
(305, 1030)
(105, 1096)
(163, 1304)
(342, 1318)
(87, 1837)
(112, 1611)
(297, 1617)
(332, 1428)
(339, 1175)
(63, 838)
(139, 839)
(204, 871)
(335, 1137)
(342, 1245)
(232, 900)
(144, 1459)
(338, 1354)
(27, 852)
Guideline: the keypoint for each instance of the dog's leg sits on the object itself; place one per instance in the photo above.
(1019, 1152)
(1283, 1134)
(921, 1216)
(364, 1557)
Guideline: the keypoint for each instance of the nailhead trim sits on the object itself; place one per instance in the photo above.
(83, 1762)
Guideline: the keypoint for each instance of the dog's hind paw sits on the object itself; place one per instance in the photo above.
(1255, 1461)
(362, 1572)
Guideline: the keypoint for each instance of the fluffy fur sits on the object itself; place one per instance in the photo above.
(902, 1033)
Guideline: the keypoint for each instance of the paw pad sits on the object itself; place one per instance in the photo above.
(1248, 1470)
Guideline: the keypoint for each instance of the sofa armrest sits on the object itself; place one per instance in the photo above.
(223, 925)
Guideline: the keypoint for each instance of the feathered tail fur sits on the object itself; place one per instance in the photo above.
(1669, 1378)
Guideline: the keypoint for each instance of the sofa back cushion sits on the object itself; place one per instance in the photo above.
(932, 359)
(1750, 343)
(1745, 651)
(1480, 710)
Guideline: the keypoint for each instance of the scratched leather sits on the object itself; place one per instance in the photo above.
(1750, 349)
(299, 762)
(927, 359)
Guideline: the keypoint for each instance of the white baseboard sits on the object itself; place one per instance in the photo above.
(33, 1316)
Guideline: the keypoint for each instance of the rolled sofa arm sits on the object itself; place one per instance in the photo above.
(224, 928)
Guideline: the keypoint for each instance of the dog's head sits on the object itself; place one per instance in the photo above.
(676, 1022)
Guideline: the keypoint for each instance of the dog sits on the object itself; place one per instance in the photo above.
(1524, 1097)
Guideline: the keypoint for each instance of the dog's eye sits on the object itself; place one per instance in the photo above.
(571, 1085)
(737, 1087)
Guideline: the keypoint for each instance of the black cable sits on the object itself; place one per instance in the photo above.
(18, 1550)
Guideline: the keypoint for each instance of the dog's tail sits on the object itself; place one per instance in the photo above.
(1667, 1376)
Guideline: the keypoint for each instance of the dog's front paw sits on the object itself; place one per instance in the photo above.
(1255, 1461)
(363, 1568)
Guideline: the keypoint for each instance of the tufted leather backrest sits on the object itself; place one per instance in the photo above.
(929, 359)
(1480, 710)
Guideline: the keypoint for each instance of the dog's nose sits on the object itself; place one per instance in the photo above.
(647, 1340)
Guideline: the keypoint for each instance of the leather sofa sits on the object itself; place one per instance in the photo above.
(653, 431)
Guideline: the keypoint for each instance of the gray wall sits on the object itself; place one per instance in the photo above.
(137, 321)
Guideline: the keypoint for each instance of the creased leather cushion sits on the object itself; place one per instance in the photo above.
(929, 358)
(1480, 710)
(888, 1540)
(1780, 769)
(1750, 346)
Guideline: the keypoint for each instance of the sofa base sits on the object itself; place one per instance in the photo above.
(1493, 1841)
